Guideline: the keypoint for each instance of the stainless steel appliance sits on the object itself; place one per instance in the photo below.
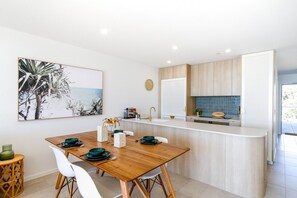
(130, 112)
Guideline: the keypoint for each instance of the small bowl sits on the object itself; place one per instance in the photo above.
(96, 151)
(71, 140)
(148, 138)
(172, 116)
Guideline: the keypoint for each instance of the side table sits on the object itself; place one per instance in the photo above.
(12, 176)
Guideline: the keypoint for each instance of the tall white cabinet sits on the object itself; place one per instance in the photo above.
(258, 95)
(174, 98)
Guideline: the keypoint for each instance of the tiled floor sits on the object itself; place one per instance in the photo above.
(282, 176)
(185, 188)
(282, 180)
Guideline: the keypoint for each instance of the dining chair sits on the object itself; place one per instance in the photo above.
(128, 133)
(85, 183)
(88, 188)
(64, 167)
(154, 176)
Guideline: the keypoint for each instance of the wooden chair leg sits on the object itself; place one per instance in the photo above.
(132, 188)
(102, 174)
(61, 186)
(162, 184)
(148, 186)
(98, 171)
(71, 188)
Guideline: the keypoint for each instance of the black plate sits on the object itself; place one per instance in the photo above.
(104, 156)
(155, 141)
(76, 144)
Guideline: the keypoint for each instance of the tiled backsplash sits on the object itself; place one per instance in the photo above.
(230, 105)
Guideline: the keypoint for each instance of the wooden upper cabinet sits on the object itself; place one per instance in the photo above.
(202, 79)
(222, 78)
(236, 77)
(179, 71)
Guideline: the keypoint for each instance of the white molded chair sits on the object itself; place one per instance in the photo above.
(154, 175)
(108, 186)
(65, 169)
(85, 183)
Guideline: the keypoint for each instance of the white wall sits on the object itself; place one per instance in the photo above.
(283, 79)
(123, 86)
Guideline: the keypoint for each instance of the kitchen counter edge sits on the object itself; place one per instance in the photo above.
(209, 128)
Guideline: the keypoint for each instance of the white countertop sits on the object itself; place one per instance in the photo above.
(210, 128)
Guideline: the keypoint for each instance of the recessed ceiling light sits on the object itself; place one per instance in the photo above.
(174, 47)
(169, 61)
(227, 50)
(104, 31)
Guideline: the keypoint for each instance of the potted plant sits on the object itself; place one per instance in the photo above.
(198, 111)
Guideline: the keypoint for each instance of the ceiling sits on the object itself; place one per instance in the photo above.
(145, 30)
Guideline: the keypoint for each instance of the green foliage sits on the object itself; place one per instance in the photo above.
(38, 79)
(289, 102)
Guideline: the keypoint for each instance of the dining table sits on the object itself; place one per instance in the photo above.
(132, 161)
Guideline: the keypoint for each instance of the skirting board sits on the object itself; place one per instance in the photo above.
(41, 174)
(44, 173)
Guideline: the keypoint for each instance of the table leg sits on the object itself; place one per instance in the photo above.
(141, 188)
(60, 175)
(168, 182)
(124, 187)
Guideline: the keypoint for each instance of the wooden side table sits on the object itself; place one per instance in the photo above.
(12, 176)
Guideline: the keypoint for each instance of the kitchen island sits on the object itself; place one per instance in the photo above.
(227, 157)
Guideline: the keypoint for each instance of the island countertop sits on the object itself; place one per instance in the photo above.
(210, 128)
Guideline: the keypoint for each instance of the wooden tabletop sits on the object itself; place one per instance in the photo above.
(132, 161)
(17, 157)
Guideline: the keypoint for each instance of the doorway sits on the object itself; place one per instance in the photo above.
(289, 109)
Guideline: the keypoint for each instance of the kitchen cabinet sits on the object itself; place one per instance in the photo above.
(222, 78)
(174, 72)
(179, 71)
(258, 104)
(173, 98)
(202, 79)
(236, 77)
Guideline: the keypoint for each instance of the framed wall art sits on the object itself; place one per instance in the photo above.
(50, 90)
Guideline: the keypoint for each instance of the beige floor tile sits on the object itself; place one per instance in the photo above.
(212, 192)
(291, 170)
(193, 189)
(291, 183)
(291, 193)
(276, 168)
(178, 182)
(275, 178)
(274, 191)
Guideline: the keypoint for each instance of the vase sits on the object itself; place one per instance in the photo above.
(102, 134)
(7, 152)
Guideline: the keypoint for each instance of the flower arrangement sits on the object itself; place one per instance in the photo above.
(111, 122)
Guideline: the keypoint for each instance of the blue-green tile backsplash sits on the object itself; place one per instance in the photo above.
(230, 105)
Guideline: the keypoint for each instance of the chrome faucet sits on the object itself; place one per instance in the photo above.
(150, 117)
